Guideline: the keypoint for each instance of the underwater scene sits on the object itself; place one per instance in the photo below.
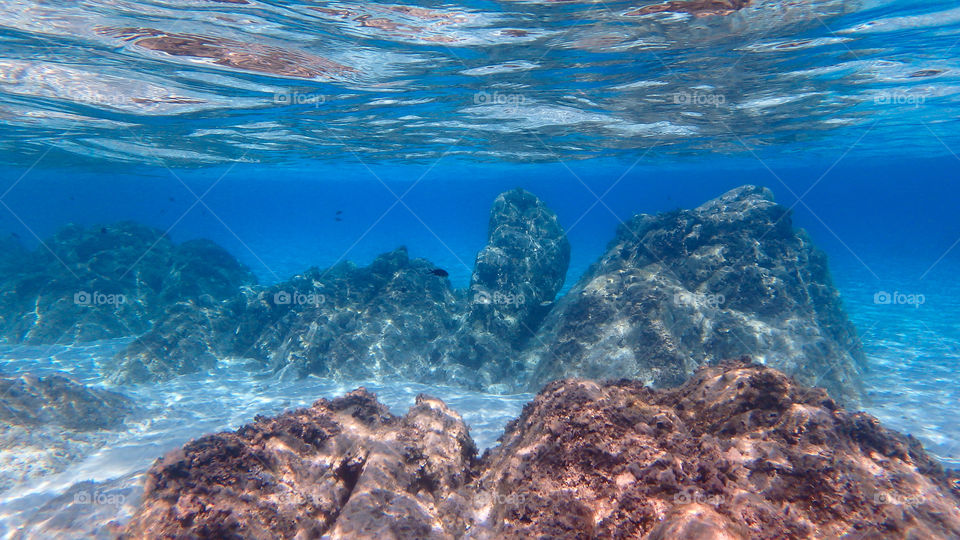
(404, 269)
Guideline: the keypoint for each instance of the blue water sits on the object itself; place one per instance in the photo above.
(410, 127)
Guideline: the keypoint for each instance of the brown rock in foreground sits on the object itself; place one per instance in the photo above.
(740, 451)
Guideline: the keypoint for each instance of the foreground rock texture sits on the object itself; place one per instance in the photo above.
(678, 290)
(85, 284)
(740, 451)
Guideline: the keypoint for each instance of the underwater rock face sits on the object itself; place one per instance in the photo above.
(521, 269)
(515, 279)
(86, 284)
(382, 320)
(345, 467)
(397, 317)
(48, 422)
(29, 400)
(673, 292)
(681, 289)
(740, 451)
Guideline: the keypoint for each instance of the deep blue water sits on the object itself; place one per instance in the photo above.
(847, 111)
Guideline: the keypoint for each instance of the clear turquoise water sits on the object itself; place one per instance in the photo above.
(411, 125)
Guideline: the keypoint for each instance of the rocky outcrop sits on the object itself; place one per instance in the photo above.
(348, 322)
(345, 467)
(515, 280)
(397, 317)
(48, 422)
(673, 292)
(86, 284)
(740, 451)
(520, 271)
(30, 400)
(679, 290)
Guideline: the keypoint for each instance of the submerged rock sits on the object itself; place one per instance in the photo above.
(345, 467)
(396, 318)
(29, 400)
(520, 271)
(86, 284)
(673, 292)
(48, 422)
(740, 451)
(344, 322)
(515, 279)
(682, 289)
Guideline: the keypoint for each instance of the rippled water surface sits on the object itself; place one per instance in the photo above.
(208, 81)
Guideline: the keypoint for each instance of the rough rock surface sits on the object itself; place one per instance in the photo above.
(740, 451)
(86, 284)
(521, 269)
(678, 290)
(673, 292)
(345, 467)
(50, 421)
(29, 400)
(346, 322)
(515, 280)
(393, 318)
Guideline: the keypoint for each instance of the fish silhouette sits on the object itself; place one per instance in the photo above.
(440, 272)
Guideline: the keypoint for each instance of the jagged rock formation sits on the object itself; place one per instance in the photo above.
(673, 292)
(515, 280)
(393, 318)
(740, 451)
(334, 468)
(679, 290)
(521, 269)
(95, 283)
(346, 322)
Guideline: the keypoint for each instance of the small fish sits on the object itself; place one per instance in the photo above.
(338, 219)
(440, 272)
(171, 199)
(15, 235)
(103, 230)
(339, 212)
